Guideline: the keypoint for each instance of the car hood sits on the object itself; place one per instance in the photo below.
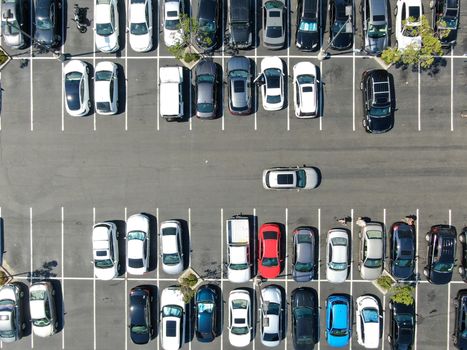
(371, 331)
(140, 338)
(308, 40)
(173, 269)
(240, 35)
(375, 46)
(270, 271)
(45, 36)
(402, 272)
(405, 41)
(239, 276)
(13, 40)
(370, 273)
(106, 274)
(450, 37)
(381, 124)
(137, 222)
(335, 276)
(241, 340)
(440, 277)
(44, 331)
(107, 43)
(299, 276)
(140, 43)
(342, 41)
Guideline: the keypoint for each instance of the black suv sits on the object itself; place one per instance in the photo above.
(459, 336)
(402, 250)
(463, 265)
(401, 325)
(377, 89)
(240, 26)
(445, 20)
(307, 37)
(441, 253)
(341, 14)
(208, 19)
(47, 22)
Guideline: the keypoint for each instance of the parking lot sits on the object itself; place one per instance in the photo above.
(60, 174)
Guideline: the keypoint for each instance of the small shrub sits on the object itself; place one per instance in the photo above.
(385, 282)
(190, 280)
(187, 292)
(403, 294)
(3, 278)
(190, 57)
(3, 57)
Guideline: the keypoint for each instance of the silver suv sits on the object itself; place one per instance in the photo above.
(375, 26)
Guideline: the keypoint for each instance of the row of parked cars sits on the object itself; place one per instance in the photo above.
(241, 27)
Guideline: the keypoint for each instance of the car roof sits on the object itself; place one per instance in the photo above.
(278, 178)
(207, 9)
(340, 312)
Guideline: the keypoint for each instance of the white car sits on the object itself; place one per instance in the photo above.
(337, 256)
(271, 316)
(290, 178)
(172, 11)
(271, 79)
(172, 318)
(106, 25)
(42, 308)
(305, 84)
(171, 247)
(140, 25)
(239, 318)
(76, 81)
(137, 244)
(106, 88)
(408, 19)
(368, 321)
(105, 250)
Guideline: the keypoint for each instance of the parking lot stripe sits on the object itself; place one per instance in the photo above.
(63, 272)
(419, 113)
(383, 312)
(126, 74)
(448, 316)
(222, 271)
(157, 255)
(417, 276)
(189, 237)
(286, 272)
(94, 287)
(452, 90)
(450, 216)
(319, 261)
(126, 292)
(353, 90)
(31, 261)
(63, 99)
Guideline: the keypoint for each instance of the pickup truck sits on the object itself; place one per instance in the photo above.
(238, 249)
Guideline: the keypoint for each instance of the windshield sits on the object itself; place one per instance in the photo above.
(370, 315)
(205, 107)
(37, 295)
(404, 319)
(238, 266)
(271, 336)
(273, 99)
(172, 311)
(44, 23)
(377, 31)
(303, 267)
(139, 235)
(206, 307)
(42, 322)
(170, 259)
(450, 22)
(237, 73)
(103, 107)
(337, 26)
(338, 332)
(273, 309)
(301, 178)
(10, 27)
(240, 330)
(308, 26)
(103, 75)
(171, 24)
(138, 28)
(239, 304)
(373, 234)
(103, 264)
(274, 32)
(207, 26)
(443, 267)
(135, 263)
(410, 31)
(372, 263)
(302, 312)
(380, 112)
(139, 329)
(7, 334)
(403, 262)
(273, 78)
(104, 29)
(337, 266)
(205, 78)
(306, 79)
(270, 262)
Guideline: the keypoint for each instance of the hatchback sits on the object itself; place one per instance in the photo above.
(275, 24)
(106, 88)
(76, 77)
(304, 246)
(402, 250)
(12, 322)
(140, 323)
(239, 85)
(290, 178)
(338, 320)
(47, 24)
(441, 253)
(42, 309)
(13, 23)
(206, 304)
(341, 14)
(269, 249)
(206, 85)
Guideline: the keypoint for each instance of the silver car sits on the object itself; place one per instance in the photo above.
(371, 251)
(290, 178)
(171, 247)
(206, 89)
(12, 322)
(239, 85)
(275, 24)
(303, 265)
(337, 255)
(13, 23)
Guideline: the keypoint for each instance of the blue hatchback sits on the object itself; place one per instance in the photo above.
(338, 320)
(206, 310)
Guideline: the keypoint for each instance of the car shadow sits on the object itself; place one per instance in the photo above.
(258, 5)
(121, 89)
(153, 248)
(59, 304)
(24, 290)
(320, 92)
(121, 232)
(186, 243)
(63, 22)
(122, 21)
(91, 91)
(2, 241)
(253, 228)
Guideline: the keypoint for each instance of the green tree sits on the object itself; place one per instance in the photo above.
(412, 55)
(385, 282)
(403, 294)
(187, 27)
(187, 284)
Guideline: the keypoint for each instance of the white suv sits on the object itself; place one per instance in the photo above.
(172, 319)
(408, 20)
(105, 250)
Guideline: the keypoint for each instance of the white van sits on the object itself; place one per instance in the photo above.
(171, 93)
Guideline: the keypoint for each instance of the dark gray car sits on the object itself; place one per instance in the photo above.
(13, 17)
(206, 89)
(275, 23)
(47, 22)
(304, 243)
(239, 85)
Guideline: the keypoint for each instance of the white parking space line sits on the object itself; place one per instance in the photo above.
(353, 91)
(452, 90)
(320, 98)
(320, 236)
(286, 269)
(31, 266)
(189, 237)
(351, 256)
(419, 112)
(126, 73)
(126, 291)
(450, 217)
(383, 312)
(449, 316)
(222, 271)
(157, 255)
(417, 225)
(63, 273)
(63, 96)
(94, 287)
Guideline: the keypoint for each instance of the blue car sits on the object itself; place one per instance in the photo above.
(338, 320)
(206, 309)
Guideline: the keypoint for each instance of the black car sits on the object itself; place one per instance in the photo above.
(47, 27)
(140, 325)
(240, 24)
(445, 20)
(206, 301)
(305, 322)
(463, 265)
(401, 326)
(307, 37)
(341, 24)
(377, 89)
(208, 19)
(459, 336)
(402, 250)
(441, 253)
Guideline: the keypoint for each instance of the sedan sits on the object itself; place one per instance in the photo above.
(304, 246)
(76, 76)
(408, 20)
(140, 25)
(42, 308)
(401, 326)
(171, 247)
(106, 88)
(402, 250)
(240, 323)
(105, 250)
(305, 84)
(172, 318)
(338, 320)
(459, 336)
(297, 178)
(239, 85)
(308, 32)
(337, 255)
(271, 80)
(275, 24)
(341, 24)
(305, 318)
(137, 249)
(269, 243)
(208, 18)
(371, 251)
(140, 324)
(206, 81)
(106, 28)
(206, 304)
(13, 23)
(173, 9)
(47, 22)
(12, 322)
(441, 253)
(271, 311)
(368, 320)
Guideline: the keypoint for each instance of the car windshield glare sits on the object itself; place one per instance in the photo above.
(404, 319)
(372, 263)
(306, 79)
(239, 304)
(10, 27)
(377, 30)
(337, 266)
(373, 234)
(302, 312)
(448, 23)
(303, 267)
(44, 23)
(206, 307)
(238, 266)
(172, 24)
(138, 28)
(103, 264)
(464, 334)
(269, 5)
(104, 29)
(273, 78)
(380, 111)
(308, 26)
(273, 99)
(37, 295)
(73, 76)
(7, 334)
(301, 178)
(207, 26)
(370, 315)
(238, 73)
(172, 311)
(443, 267)
(205, 78)
(339, 241)
(139, 329)
(103, 75)
(170, 259)
(338, 332)
(239, 330)
(139, 235)
(205, 107)
(403, 262)
(269, 262)
(42, 322)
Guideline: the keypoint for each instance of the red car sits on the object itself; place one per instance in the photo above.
(269, 263)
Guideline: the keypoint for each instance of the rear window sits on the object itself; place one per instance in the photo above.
(378, 18)
(414, 11)
(270, 235)
(274, 14)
